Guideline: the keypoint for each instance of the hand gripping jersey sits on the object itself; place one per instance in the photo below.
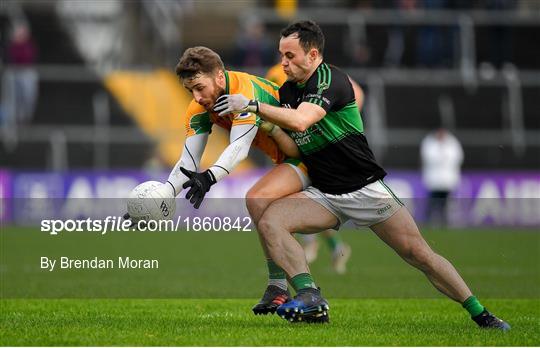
(334, 149)
(199, 121)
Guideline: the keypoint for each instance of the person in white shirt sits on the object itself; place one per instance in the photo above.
(442, 157)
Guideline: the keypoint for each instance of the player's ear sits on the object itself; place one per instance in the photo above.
(313, 54)
(220, 78)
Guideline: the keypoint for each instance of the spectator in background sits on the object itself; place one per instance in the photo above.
(434, 43)
(396, 36)
(253, 49)
(20, 81)
(500, 39)
(442, 157)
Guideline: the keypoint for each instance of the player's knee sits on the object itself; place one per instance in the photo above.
(263, 193)
(255, 207)
(257, 201)
(264, 225)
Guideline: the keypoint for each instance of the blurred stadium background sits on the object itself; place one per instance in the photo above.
(92, 92)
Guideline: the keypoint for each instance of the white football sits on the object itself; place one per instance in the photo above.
(146, 203)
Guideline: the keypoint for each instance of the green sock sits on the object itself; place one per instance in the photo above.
(473, 306)
(302, 281)
(333, 241)
(276, 275)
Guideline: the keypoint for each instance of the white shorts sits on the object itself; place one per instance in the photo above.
(367, 206)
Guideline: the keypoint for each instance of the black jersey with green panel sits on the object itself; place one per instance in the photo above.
(335, 150)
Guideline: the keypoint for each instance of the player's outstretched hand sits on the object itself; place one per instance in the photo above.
(199, 184)
(235, 103)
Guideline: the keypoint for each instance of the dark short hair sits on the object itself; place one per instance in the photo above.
(198, 60)
(309, 34)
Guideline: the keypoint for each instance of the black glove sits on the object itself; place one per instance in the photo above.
(127, 217)
(133, 223)
(199, 184)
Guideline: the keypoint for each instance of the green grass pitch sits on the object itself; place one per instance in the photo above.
(207, 282)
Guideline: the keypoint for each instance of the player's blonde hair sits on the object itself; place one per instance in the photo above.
(198, 60)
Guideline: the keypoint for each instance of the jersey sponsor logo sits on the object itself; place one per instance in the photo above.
(314, 98)
(303, 141)
(305, 137)
(301, 138)
(312, 95)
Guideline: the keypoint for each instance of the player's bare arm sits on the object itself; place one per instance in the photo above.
(284, 141)
(297, 120)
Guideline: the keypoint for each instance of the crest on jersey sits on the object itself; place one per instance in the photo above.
(242, 116)
(322, 87)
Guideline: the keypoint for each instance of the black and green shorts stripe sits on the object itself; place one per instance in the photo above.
(391, 192)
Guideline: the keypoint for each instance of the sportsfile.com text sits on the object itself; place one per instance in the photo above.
(119, 224)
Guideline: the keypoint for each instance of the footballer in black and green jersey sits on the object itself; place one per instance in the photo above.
(334, 149)
(322, 118)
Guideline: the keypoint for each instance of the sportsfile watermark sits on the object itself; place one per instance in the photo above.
(120, 224)
(83, 248)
